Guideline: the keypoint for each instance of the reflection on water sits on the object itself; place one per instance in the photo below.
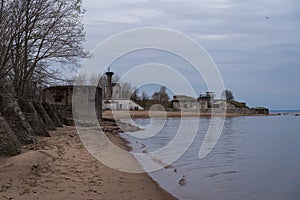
(255, 158)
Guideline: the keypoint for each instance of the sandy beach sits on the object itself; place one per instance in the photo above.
(59, 167)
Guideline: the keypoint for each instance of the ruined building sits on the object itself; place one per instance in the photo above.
(88, 100)
(207, 104)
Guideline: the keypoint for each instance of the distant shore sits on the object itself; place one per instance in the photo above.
(119, 114)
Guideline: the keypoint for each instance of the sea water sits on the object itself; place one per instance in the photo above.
(254, 158)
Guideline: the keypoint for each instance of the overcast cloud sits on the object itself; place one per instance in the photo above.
(255, 43)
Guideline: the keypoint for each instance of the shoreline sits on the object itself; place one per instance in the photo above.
(126, 144)
(120, 114)
(59, 167)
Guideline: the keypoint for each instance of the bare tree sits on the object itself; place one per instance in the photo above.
(81, 79)
(161, 96)
(144, 99)
(144, 96)
(6, 38)
(126, 90)
(98, 79)
(39, 34)
(134, 96)
(228, 95)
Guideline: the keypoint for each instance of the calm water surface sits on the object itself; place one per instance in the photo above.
(255, 158)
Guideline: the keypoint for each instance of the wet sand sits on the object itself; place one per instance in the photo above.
(60, 167)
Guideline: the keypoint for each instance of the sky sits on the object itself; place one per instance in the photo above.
(255, 44)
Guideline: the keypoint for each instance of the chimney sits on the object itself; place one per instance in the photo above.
(109, 85)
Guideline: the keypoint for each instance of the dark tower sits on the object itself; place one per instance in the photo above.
(109, 75)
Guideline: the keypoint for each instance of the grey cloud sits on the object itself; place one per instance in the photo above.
(242, 41)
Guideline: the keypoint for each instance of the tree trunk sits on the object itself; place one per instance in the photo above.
(9, 144)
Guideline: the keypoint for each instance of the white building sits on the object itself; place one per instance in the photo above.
(114, 99)
(121, 104)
